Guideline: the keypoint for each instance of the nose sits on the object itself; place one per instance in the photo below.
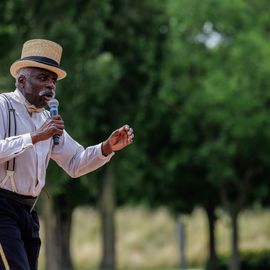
(51, 84)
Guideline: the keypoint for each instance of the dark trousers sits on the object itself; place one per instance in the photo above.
(19, 235)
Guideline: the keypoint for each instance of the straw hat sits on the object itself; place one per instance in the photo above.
(40, 53)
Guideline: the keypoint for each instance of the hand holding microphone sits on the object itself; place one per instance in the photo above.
(53, 127)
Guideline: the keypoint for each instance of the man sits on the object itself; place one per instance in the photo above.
(27, 143)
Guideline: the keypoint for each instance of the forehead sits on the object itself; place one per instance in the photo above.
(40, 71)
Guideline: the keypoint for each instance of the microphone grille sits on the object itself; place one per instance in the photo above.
(53, 103)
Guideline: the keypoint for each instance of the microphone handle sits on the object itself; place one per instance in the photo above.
(56, 138)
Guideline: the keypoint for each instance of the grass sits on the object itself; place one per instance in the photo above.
(147, 240)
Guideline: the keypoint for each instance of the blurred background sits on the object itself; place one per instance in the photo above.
(192, 78)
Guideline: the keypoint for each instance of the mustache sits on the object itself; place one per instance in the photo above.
(48, 93)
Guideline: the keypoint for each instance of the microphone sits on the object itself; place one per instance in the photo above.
(53, 105)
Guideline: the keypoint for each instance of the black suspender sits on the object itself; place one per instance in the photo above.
(11, 129)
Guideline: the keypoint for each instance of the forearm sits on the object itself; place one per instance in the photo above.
(89, 160)
(37, 137)
(76, 160)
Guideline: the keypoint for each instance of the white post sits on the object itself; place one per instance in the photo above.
(181, 238)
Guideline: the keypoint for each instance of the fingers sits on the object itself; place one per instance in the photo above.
(57, 127)
(56, 117)
(127, 129)
(55, 130)
(53, 126)
(131, 138)
(56, 124)
(129, 134)
(123, 129)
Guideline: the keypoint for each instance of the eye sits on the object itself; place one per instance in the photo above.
(42, 78)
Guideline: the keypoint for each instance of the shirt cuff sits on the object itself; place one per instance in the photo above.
(27, 140)
(101, 155)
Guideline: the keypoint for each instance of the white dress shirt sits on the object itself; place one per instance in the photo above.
(32, 159)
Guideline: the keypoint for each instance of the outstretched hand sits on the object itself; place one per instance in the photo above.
(119, 139)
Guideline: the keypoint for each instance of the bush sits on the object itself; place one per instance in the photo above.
(251, 260)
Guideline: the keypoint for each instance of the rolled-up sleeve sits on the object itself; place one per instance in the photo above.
(77, 160)
(13, 146)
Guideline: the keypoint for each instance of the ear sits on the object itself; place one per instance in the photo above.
(21, 81)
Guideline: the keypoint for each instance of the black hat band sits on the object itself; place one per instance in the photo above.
(42, 60)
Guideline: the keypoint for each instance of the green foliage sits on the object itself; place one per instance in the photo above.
(111, 51)
(212, 102)
(199, 108)
(258, 260)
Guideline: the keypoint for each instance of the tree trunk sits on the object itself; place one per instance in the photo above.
(51, 254)
(234, 195)
(57, 233)
(107, 207)
(212, 261)
(235, 259)
(63, 229)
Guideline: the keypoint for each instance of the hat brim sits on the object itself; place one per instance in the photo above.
(16, 66)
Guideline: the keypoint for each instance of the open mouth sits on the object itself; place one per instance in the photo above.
(46, 93)
(50, 95)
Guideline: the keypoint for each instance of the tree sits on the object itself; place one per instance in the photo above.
(209, 133)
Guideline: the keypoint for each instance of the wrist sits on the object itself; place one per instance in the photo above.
(34, 138)
(106, 148)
